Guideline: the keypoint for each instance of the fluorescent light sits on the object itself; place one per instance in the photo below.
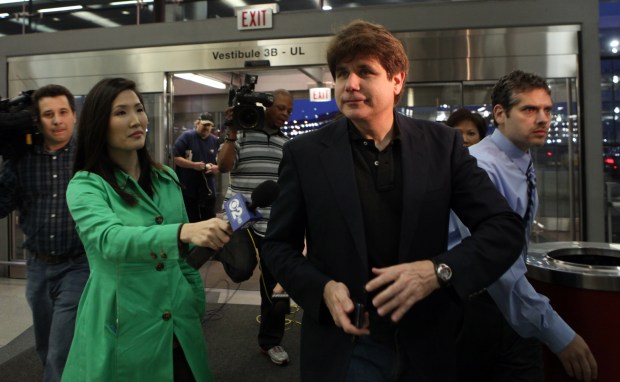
(3, 15)
(60, 9)
(130, 2)
(235, 3)
(201, 80)
(37, 27)
(12, 1)
(93, 18)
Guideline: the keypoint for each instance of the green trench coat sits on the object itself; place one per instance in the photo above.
(139, 292)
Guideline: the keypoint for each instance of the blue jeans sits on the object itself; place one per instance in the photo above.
(53, 292)
(372, 361)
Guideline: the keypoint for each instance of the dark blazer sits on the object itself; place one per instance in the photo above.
(319, 200)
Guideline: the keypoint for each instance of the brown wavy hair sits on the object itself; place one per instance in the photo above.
(362, 38)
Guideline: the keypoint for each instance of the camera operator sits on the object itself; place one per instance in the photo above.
(35, 184)
(194, 156)
(252, 156)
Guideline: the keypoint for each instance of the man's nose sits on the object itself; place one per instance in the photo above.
(544, 116)
(352, 82)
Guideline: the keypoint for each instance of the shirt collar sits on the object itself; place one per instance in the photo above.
(122, 178)
(271, 130)
(40, 148)
(518, 157)
(354, 134)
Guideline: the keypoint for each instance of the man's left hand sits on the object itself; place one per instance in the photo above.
(405, 285)
(578, 360)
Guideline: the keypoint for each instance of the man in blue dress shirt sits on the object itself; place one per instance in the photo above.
(505, 324)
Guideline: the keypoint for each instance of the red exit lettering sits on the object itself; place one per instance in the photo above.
(254, 18)
(320, 94)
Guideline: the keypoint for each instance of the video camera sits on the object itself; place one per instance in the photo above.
(17, 124)
(246, 114)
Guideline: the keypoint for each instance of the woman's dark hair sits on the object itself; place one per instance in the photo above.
(460, 115)
(92, 150)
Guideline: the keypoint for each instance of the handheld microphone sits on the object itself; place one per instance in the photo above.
(241, 214)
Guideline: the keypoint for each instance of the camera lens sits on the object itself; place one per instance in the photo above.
(248, 117)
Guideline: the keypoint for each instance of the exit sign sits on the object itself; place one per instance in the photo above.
(256, 17)
(320, 94)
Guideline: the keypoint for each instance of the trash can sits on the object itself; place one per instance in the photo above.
(582, 281)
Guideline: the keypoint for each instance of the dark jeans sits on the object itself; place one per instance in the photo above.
(372, 361)
(53, 292)
(490, 350)
(273, 314)
(238, 258)
(199, 209)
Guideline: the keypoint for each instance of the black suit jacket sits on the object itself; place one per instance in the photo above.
(319, 200)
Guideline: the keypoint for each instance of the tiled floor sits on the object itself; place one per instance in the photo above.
(15, 316)
(221, 289)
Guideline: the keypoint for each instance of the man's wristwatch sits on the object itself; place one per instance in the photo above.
(229, 139)
(443, 273)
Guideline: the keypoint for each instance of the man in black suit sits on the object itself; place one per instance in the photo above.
(371, 193)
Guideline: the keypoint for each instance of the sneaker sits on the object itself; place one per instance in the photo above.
(278, 355)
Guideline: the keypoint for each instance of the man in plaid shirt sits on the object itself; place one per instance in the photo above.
(34, 184)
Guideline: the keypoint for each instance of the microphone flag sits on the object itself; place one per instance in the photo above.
(239, 215)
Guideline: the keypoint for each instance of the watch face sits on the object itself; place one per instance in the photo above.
(444, 272)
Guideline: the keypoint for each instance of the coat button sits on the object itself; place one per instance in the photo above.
(159, 266)
(163, 255)
(153, 255)
(159, 219)
(166, 316)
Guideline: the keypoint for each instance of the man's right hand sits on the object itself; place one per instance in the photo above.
(340, 305)
(578, 360)
(199, 166)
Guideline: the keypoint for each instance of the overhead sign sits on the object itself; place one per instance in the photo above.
(255, 17)
(320, 94)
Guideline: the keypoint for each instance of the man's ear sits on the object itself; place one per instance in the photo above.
(399, 82)
(499, 114)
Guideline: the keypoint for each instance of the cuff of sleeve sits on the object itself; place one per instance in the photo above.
(183, 247)
(558, 334)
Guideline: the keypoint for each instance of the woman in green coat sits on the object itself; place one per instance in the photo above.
(139, 318)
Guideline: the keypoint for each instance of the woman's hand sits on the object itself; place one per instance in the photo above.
(212, 233)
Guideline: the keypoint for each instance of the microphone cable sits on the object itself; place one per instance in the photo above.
(215, 313)
(290, 317)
